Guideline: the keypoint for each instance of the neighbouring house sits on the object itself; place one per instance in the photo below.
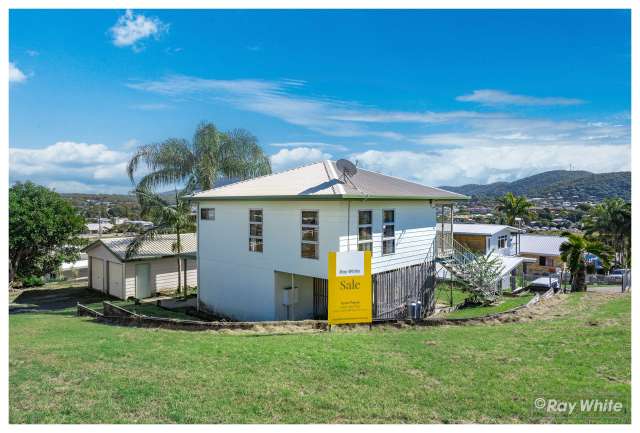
(98, 228)
(499, 240)
(152, 270)
(545, 250)
(75, 270)
(260, 237)
(484, 238)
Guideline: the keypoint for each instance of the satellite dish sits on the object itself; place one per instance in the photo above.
(346, 167)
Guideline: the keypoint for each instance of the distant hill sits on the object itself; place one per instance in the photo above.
(578, 185)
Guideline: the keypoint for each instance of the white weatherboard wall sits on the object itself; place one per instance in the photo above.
(243, 285)
(415, 230)
(163, 274)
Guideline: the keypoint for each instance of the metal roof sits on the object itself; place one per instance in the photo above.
(542, 245)
(480, 229)
(157, 248)
(322, 180)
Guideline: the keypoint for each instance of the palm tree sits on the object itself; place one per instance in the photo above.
(610, 222)
(573, 251)
(210, 156)
(168, 218)
(511, 207)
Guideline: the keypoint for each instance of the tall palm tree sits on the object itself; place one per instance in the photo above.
(168, 218)
(610, 222)
(573, 251)
(511, 207)
(210, 156)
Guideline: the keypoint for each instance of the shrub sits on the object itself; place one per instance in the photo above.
(32, 281)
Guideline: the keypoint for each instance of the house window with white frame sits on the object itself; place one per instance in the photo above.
(388, 231)
(365, 230)
(502, 241)
(310, 240)
(256, 241)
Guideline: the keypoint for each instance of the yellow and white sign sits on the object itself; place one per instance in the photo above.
(350, 294)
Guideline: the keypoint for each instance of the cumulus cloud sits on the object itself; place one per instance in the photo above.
(499, 97)
(67, 165)
(290, 158)
(131, 29)
(486, 164)
(15, 74)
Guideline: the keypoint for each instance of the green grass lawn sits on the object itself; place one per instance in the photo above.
(65, 369)
(507, 303)
(444, 293)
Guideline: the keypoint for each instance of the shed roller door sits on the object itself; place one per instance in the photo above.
(97, 274)
(115, 280)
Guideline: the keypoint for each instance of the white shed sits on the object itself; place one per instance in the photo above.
(152, 270)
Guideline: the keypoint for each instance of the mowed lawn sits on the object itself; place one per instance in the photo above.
(65, 369)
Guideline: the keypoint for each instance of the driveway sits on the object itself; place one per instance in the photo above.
(604, 289)
(54, 299)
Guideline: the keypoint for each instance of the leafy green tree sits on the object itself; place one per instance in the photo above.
(610, 222)
(168, 218)
(210, 156)
(573, 251)
(511, 207)
(482, 279)
(43, 230)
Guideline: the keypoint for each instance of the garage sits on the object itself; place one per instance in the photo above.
(115, 280)
(97, 274)
(152, 270)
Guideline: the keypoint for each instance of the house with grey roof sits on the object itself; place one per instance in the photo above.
(545, 250)
(153, 269)
(261, 238)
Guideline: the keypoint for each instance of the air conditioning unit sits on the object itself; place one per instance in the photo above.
(290, 295)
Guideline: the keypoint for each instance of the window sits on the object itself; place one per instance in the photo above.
(255, 230)
(309, 240)
(207, 213)
(388, 231)
(365, 231)
(502, 241)
(542, 261)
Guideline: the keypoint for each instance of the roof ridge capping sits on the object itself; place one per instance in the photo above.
(257, 178)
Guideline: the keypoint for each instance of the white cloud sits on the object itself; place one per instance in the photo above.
(485, 164)
(499, 97)
(70, 164)
(318, 144)
(33, 53)
(15, 74)
(290, 158)
(131, 29)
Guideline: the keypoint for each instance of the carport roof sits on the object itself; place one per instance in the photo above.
(160, 247)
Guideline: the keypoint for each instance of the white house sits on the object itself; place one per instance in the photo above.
(260, 237)
(153, 269)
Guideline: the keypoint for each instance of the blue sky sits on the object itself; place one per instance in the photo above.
(438, 97)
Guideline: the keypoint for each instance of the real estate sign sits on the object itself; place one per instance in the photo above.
(350, 294)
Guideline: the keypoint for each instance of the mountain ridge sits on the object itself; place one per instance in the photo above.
(576, 185)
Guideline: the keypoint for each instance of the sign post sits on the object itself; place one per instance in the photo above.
(350, 292)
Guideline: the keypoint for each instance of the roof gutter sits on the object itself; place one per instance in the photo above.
(328, 197)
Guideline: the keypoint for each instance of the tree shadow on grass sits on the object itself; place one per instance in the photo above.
(55, 300)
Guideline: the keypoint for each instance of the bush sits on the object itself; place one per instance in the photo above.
(32, 281)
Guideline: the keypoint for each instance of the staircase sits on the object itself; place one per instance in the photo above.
(453, 256)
